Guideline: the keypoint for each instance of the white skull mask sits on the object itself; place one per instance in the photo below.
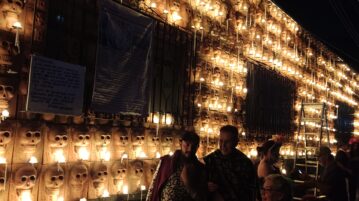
(78, 175)
(58, 137)
(119, 171)
(138, 169)
(6, 92)
(5, 137)
(99, 173)
(81, 137)
(25, 177)
(102, 138)
(30, 138)
(54, 177)
(120, 136)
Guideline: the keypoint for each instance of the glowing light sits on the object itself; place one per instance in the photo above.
(143, 187)
(156, 119)
(2, 160)
(105, 154)
(60, 198)
(284, 171)
(125, 189)
(25, 195)
(171, 153)
(59, 156)
(5, 113)
(83, 153)
(83, 199)
(153, 5)
(33, 160)
(17, 25)
(105, 194)
(158, 155)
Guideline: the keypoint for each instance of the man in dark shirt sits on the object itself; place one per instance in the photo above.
(332, 180)
(232, 176)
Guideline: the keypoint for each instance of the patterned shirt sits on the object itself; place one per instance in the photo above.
(234, 174)
(174, 189)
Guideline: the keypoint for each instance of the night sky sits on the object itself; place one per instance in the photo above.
(334, 22)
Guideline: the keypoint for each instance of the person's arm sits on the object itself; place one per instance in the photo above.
(150, 189)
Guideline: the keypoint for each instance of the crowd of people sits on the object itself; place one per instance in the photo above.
(229, 175)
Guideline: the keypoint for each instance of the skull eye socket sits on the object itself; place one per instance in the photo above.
(57, 138)
(23, 178)
(108, 137)
(64, 138)
(61, 177)
(28, 134)
(123, 171)
(143, 137)
(78, 176)
(102, 137)
(87, 137)
(126, 138)
(2, 180)
(37, 134)
(8, 89)
(81, 137)
(99, 174)
(53, 178)
(1, 86)
(84, 175)
(32, 178)
(104, 173)
(7, 134)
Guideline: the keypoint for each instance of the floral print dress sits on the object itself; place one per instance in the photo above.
(174, 189)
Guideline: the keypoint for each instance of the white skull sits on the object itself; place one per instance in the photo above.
(81, 137)
(6, 92)
(99, 173)
(30, 138)
(5, 137)
(138, 169)
(78, 175)
(119, 171)
(25, 177)
(102, 138)
(120, 136)
(54, 177)
(58, 137)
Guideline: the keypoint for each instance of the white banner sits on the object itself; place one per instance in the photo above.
(55, 87)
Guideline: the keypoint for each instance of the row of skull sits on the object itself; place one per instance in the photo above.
(78, 177)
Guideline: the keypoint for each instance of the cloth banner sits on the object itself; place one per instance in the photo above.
(122, 77)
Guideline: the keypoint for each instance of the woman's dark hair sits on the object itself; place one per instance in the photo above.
(192, 137)
(269, 145)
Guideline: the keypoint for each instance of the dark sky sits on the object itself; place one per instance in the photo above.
(334, 22)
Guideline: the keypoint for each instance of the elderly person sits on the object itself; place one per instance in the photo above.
(276, 188)
(232, 176)
(180, 177)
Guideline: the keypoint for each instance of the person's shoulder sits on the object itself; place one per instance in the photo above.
(210, 156)
(244, 159)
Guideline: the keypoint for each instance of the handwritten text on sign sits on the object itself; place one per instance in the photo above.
(55, 87)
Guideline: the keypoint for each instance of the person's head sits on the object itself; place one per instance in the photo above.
(342, 157)
(228, 139)
(276, 188)
(189, 143)
(270, 151)
(325, 156)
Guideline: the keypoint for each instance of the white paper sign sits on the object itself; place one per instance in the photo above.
(55, 87)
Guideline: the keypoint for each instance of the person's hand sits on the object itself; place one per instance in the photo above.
(212, 187)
